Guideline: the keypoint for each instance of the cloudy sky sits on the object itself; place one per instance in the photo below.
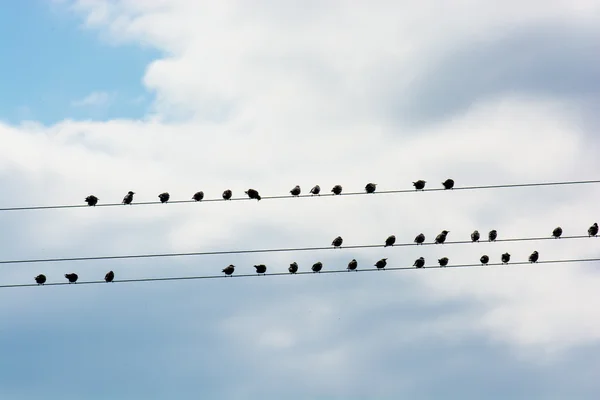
(104, 97)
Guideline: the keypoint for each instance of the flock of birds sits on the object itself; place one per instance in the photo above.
(261, 269)
(92, 200)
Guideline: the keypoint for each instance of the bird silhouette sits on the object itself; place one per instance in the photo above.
(419, 185)
(72, 277)
(337, 242)
(593, 230)
(352, 265)
(296, 191)
(441, 238)
(381, 263)
(198, 196)
(337, 189)
(492, 235)
(534, 257)
(557, 232)
(164, 197)
(261, 269)
(109, 276)
(40, 279)
(253, 194)
(390, 241)
(229, 269)
(484, 259)
(227, 194)
(293, 268)
(370, 188)
(419, 262)
(420, 238)
(128, 197)
(91, 200)
(317, 266)
(505, 258)
(315, 190)
(448, 184)
(475, 236)
(443, 261)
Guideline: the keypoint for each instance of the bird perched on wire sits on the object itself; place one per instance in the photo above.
(40, 279)
(419, 262)
(261, 269)
(557, 232)
(484, 259)
(128, 197)
(475, 236)
(317, 266)
(109, 276)
(419, 185)
(370, 188)
(253, 194)
(419, 239)
(534, 257)
(390, 241)
(443, 261)
(91, 200)
(448, 184)
(593, 230)
(164, 197)
(505, 258)
(315, 190)
(337, 242)
(229, 269)
(381, 263)
(352, 265)
(198, 196)
(337, 189)
(441, 238)
(227, 194)
(492, 235)
(72, 277)
(293, 268)
(296, 191)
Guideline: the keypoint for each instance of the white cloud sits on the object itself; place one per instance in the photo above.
(94, 99)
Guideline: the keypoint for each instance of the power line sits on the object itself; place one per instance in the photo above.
(180, 278)
(279, 250)
(518, 185)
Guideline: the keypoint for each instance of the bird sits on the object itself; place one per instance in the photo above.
(296, 191)
(534, 257)
(370, 188)
(293, 268)
(198, 196)
(253, 194)
(557, 232)
(229, 269)
(420, 238)
(315, 190)
(505, 258)
(593, 230)
(381, 263)
(441, 238)
(337, 242)
(164, 197)
(317, 266)
(72, 277)
(419, 185)
(390, 241)
(352, 265)
(109, 276)
(128, 197)
(227, 195)
(443, 261)
(484, 259)
(91, 200)
(40, 279)
(475, 236)
(419, 262)
(337, 189)
(448, 184)
(492, 235)
(261, 269)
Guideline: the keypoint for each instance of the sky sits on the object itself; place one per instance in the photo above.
(103, 97)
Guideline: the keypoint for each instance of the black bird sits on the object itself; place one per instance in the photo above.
(253, 194)
(390, 241)
(505, 258)
(370, 188)
(419, 185)
(91, 200)
(557, 232)
(296, 191)
(534, 257)
(164, 197)
(352, 265)
(441, 238)
(419, 262)
(293, 267)
(72, 277)
(40, 279)
(593, 230)
(128, 197)
(261, 269)
(492, 235)
(448, 184)
(475, 236)
(420, 238)
(109, 276)
(229, 269)
(317, 266)
(227, 195)
(198, 196)
(484, 259)
(443, 261)
(337, 242)
(337, 189)
(381, 263)
(316, 190)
